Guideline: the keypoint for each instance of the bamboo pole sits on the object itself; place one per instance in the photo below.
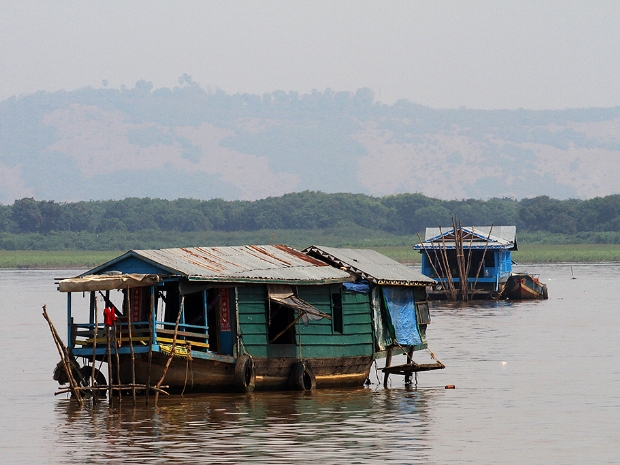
(471, 241)
(148, 376)
(428, 255)
(64, 356)
(173, 348)
(482, 259)
(109, 354)
(115, 388)
(439, 263)
(447, 267)
(95, 334)
(133, 355)
(118, 361)
(460, 258)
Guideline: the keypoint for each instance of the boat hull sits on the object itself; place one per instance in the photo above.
(524, 287)
(203, 375)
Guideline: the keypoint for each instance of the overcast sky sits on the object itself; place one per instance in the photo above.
(444, 54)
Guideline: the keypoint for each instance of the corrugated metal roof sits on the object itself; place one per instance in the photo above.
(502, 237)
(370, 265)
(248, 263)
(507, 233)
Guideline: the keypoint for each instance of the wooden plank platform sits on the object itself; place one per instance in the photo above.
(412, 367)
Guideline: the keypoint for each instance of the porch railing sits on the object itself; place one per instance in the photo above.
(82, 335)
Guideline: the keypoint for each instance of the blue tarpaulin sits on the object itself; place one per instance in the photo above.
(362, 287)
(401, 305)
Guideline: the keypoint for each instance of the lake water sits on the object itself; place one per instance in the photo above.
(536, 382)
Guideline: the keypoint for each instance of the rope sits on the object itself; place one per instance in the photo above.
(377, 371)
(187, 364)
(427, 349)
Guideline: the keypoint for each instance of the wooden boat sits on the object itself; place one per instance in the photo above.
(244, 318)
(522, 286)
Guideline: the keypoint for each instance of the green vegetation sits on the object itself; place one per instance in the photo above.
(573, 253)
(117, 224)
(54, 258)
(548, 229)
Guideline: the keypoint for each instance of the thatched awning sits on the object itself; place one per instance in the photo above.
(107, 282)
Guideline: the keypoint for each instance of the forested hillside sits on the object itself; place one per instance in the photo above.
(148, 222)
(190, 142)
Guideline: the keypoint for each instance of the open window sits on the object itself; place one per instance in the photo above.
(285, 309)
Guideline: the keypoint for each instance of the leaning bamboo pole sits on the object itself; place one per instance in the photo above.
(460, 258)
(471, 241)
(439, 263)
(64, 357)
(172, 350)
(428, 255)
(484, 252)
(449, 277)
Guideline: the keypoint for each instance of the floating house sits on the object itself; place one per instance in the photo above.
(480, 257)
(240, 318)
(400, 312)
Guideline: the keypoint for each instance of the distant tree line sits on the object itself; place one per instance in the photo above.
(402, 214)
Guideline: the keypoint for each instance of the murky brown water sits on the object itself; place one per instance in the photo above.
(536, 382)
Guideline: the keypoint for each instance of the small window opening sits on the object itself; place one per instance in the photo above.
(337, 312)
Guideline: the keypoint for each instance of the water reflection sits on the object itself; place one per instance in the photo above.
(335, 426)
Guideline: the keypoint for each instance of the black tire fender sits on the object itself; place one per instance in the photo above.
(245, 374)
(100, 380)
(302, 377)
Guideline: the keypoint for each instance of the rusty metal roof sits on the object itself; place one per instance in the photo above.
(370, 265)
(248, 263)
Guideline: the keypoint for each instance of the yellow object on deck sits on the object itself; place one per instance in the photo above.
(179, 350)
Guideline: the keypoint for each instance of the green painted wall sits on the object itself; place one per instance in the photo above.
(318, 339)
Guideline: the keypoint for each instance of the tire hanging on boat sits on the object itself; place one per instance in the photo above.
(245, 374)
(302, 377)
(100, 380)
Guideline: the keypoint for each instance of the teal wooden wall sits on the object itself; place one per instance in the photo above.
(318, 339)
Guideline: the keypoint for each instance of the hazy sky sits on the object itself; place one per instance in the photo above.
(477, 54)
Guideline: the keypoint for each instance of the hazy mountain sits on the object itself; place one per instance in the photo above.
(189, 142)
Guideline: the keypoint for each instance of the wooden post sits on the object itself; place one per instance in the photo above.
(109, 352)
(95, 334)
(64, 356)
(388, 363)
(118, 361)
(133, 355)
(151, 342)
